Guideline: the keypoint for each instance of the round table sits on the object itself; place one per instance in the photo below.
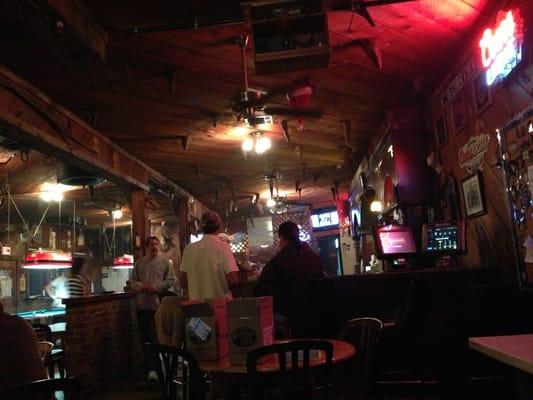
(341, 351)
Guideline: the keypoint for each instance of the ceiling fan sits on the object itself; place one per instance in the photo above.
(251, 105)
(279, 204)
(360, 7)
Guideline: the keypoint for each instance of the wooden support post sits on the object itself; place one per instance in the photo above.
(181, 210)
(139, 217)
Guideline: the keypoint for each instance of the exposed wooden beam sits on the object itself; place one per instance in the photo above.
(31, 118)
(77, 17)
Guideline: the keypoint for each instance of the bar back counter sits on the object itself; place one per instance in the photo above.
(101, 339)
(428, 315)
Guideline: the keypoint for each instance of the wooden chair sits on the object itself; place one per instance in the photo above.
(56, 356)
(295, 379)
(44, 349)
(364, 334)
(176, 367)
(44, 390)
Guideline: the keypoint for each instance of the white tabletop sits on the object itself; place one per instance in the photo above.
(514, 350)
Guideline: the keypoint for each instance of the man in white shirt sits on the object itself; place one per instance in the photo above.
(208, 267)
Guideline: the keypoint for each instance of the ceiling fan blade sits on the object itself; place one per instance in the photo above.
(374, 3)
(148, 138)
(360, 8)
(308, 112)
(347, 44)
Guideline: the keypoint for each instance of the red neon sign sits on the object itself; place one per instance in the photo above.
(501, 48)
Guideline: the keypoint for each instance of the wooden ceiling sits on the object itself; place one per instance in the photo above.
(178, 82)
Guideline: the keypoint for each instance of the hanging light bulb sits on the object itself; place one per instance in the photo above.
(376, 206)
(248, 145)
(117, 214)
(262, 144)
(271, 203)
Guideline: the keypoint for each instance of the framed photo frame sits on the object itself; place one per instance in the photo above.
(441, 135)
(481, 93)
(459, 114)
(473, 195)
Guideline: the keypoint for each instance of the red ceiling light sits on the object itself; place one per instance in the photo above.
(47, 259)
(123, 262)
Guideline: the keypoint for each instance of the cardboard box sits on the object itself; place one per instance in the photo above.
(206, 328)
(250, 325)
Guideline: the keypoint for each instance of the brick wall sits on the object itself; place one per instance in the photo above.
(101, 340)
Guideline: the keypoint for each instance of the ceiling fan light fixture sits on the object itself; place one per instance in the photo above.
(247, 145)
(271, 203)
(262, 144)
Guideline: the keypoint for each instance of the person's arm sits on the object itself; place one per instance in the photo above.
(169, 279)
(265, 282)
(230, 267)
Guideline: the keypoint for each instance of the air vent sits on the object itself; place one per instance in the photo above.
(72, 176)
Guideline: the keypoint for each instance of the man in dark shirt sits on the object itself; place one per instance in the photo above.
(290, 277)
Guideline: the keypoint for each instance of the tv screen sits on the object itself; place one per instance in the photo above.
(325, 219)
(394, 241)
(445, 237)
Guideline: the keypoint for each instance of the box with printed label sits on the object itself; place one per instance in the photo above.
(206, 328)
(250, 325)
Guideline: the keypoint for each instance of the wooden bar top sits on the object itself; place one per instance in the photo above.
(513, 350)
(97, 298)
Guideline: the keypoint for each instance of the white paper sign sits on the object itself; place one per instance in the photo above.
(199, 328)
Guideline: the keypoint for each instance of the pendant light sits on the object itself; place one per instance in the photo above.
(123, 262)
(47, 259)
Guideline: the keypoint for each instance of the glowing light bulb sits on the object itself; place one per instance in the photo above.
(271, 203)
(262, 144)
(51, 196)
(248, 145)
(376, 206)
(117, 214)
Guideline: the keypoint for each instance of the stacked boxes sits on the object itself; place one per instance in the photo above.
(250, 325)
(206, 328)
(247, 322)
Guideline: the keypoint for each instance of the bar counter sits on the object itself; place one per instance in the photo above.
(101, 339)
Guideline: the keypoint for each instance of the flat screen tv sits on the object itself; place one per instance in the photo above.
(393, 241)
(444, 238)
(325, 219)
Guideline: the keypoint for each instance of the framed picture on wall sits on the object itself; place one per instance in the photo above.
(473, 195)
(459, 115)
(481, 93)
(441, 136)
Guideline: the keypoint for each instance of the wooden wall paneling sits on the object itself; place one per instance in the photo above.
(489, 236)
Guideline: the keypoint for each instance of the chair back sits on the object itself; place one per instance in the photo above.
(44, 349)
(43, 332)
(44, 390)
(364, 334)
(295, 378)
(175, 368)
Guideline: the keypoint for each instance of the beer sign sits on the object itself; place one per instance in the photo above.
(501, 46)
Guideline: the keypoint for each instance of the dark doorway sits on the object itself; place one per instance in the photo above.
(330, 254)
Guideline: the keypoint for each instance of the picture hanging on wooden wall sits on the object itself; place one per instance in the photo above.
(473, 195)
(482, 94)
(441, 136)
(459, 115)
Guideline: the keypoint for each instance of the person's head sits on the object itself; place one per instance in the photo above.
(211, 223)
(77, 265)
(288, 233)
(152, 245)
